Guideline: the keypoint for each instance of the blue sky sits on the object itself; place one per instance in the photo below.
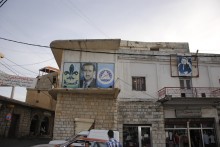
(40, 22)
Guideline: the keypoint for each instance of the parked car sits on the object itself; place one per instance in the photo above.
(92, 142)
(102, 134)
(80, 142)
(96, 138)
(80, 134)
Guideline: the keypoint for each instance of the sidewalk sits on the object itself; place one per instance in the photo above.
(6, 142)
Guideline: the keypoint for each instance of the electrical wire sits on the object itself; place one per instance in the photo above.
(24, 52)
(87, 19)
(59, 48)
(3, 3)
(33, 63)
(20, 66)
(11, 68)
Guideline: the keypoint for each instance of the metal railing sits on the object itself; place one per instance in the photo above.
(193, 92)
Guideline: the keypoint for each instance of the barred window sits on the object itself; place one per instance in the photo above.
(138, 83)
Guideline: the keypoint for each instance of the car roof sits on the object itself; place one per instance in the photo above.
(93, 139)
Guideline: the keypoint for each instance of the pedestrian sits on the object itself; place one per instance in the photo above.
(176, 139)
(112, 142)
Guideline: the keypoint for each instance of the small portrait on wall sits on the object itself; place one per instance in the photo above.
(71, 75)
(184, 66)
(105, 75)
(88, 75)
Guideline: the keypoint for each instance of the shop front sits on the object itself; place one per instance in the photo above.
(190, 132)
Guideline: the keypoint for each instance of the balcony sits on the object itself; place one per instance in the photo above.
(168, 93)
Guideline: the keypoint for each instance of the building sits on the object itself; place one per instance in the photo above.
(39, 96)
(19, 119)
(147, 91)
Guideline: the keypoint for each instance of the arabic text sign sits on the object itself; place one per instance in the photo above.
(11, 80)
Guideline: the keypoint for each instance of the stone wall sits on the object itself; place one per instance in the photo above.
(100, 107)
(143, 113)
(23, 123)
(22, 115)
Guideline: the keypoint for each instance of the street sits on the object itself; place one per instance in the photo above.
(6, 142)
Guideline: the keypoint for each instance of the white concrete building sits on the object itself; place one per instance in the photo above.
(147, 91)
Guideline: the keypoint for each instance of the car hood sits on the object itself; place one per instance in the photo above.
(57, 141)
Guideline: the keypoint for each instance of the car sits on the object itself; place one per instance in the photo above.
(81, 142)
(102, 134)
(80, 134)
(93, 136)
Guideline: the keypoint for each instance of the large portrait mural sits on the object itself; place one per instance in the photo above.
(88, 75)
(105, 75)
(71, 75)
(184, 66)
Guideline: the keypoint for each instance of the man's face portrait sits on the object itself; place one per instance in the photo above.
(183, 61)
(88, 72)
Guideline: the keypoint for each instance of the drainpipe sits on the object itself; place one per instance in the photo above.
(12, 92)
(188, 134)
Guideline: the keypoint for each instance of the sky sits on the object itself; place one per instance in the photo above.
(43, 21)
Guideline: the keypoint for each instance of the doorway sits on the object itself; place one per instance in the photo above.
(34, 125)
(136, 136)
(196, 138)
(14, 125)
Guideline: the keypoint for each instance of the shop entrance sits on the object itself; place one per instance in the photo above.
(136, 136)
(190, 133)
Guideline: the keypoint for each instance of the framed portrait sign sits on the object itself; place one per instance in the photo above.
(184, 66)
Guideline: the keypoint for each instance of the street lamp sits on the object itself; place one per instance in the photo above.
(1, 55)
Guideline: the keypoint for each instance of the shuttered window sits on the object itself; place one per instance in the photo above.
(185, 83)
(138, 84)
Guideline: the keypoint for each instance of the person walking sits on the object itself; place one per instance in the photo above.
(112, 142)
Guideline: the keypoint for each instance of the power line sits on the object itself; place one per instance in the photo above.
(89, 51)
(87, 19)
(11, 68)
(21, 66)
(8, 68)
(3, 3)
(32, 63)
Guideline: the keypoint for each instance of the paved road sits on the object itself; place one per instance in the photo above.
(5, 142)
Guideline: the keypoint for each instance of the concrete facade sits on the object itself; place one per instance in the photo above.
(131, 109)
(39, 96)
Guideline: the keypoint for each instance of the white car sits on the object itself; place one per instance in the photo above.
(80, 134)
(79, 139)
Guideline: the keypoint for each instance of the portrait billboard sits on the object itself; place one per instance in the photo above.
(184, 66)
(71, 75)
(88, 75)
(105, 75)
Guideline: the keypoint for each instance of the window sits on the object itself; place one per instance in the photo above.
(185, 83)
(138, 83)
(54, 80)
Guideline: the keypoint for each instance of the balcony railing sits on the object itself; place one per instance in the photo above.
(193, 92)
